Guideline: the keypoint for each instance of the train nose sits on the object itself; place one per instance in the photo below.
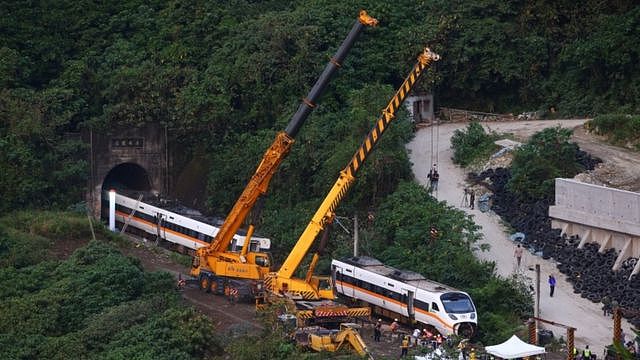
(465, 329)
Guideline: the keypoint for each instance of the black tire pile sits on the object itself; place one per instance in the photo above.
(589, 271)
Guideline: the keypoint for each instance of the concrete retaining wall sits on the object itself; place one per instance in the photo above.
(609, 217)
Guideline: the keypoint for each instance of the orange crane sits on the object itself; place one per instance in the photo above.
(283, 284)
(214, 264)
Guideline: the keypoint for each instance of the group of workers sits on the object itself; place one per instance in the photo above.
(422, 337)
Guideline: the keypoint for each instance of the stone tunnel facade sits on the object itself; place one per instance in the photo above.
(136, 156)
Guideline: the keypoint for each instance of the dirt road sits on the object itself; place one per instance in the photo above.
(565, 307)
(238, 317)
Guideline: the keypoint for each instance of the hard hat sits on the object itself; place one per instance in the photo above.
(379, 319)
(395, 319)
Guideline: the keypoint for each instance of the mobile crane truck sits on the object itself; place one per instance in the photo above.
(311, 299)
(214, 266)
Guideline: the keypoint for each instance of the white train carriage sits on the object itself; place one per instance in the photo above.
(175, 228)
(407, 294)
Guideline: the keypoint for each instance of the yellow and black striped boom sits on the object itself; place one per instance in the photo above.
(325, 213)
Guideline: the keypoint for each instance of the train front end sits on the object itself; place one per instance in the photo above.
(461, 312)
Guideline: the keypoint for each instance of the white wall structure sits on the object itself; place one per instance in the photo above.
(420, 107)
(609, 217)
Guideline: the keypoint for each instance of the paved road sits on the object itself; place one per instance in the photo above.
(565, 307)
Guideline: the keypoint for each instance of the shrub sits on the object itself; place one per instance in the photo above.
(472, 144)
(536, 164)
(620, 129)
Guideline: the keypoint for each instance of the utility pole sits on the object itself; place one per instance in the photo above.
(537, 304)
(355, 235)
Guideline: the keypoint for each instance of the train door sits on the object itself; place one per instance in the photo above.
(409, 297)
(160, 233)
(342, 280)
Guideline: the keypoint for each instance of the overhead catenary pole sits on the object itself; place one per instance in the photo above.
(355, 235)
(537, 304)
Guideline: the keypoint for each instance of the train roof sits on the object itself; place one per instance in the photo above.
(174, 206)
(405, 276)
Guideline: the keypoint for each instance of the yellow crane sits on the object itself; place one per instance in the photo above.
(283, 282)
(311, 298)
(214, 264)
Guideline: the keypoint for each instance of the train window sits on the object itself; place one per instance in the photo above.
(457, 303)
(434, 307)
(421, 305)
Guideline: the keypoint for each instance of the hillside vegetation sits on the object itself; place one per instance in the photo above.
(620, 129)
(95, 304)
(223, 76)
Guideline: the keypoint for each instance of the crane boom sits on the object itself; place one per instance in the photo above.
(215, 258)
(325, 213)
(284, 140)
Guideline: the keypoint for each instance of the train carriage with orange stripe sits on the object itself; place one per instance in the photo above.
(176, 229)
(406, 294)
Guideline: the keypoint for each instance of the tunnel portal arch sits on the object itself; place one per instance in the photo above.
(127, 176)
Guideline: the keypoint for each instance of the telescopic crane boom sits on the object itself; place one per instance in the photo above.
(283, 282)
(214, 260)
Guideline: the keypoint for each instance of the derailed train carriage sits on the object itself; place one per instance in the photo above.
(405, 294)
(178, 231)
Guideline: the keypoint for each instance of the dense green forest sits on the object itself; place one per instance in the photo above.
(225, 76)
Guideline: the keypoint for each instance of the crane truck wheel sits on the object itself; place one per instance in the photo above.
(205, 283)
(213, 287)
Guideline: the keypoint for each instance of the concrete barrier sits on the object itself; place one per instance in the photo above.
(609, 217)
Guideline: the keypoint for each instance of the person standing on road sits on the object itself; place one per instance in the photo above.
(552, 284)
(433, 177)
(377, 330)
(586, 353)
(606, 305)
(472, 198)
(518, 254)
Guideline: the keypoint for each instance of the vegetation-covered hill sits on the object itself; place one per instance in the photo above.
(225, 76)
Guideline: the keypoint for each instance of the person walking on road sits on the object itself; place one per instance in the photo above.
(433, 177)
(552, 284)
(518, 254)
(377, 330)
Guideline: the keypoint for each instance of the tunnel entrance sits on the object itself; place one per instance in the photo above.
(127, 177)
